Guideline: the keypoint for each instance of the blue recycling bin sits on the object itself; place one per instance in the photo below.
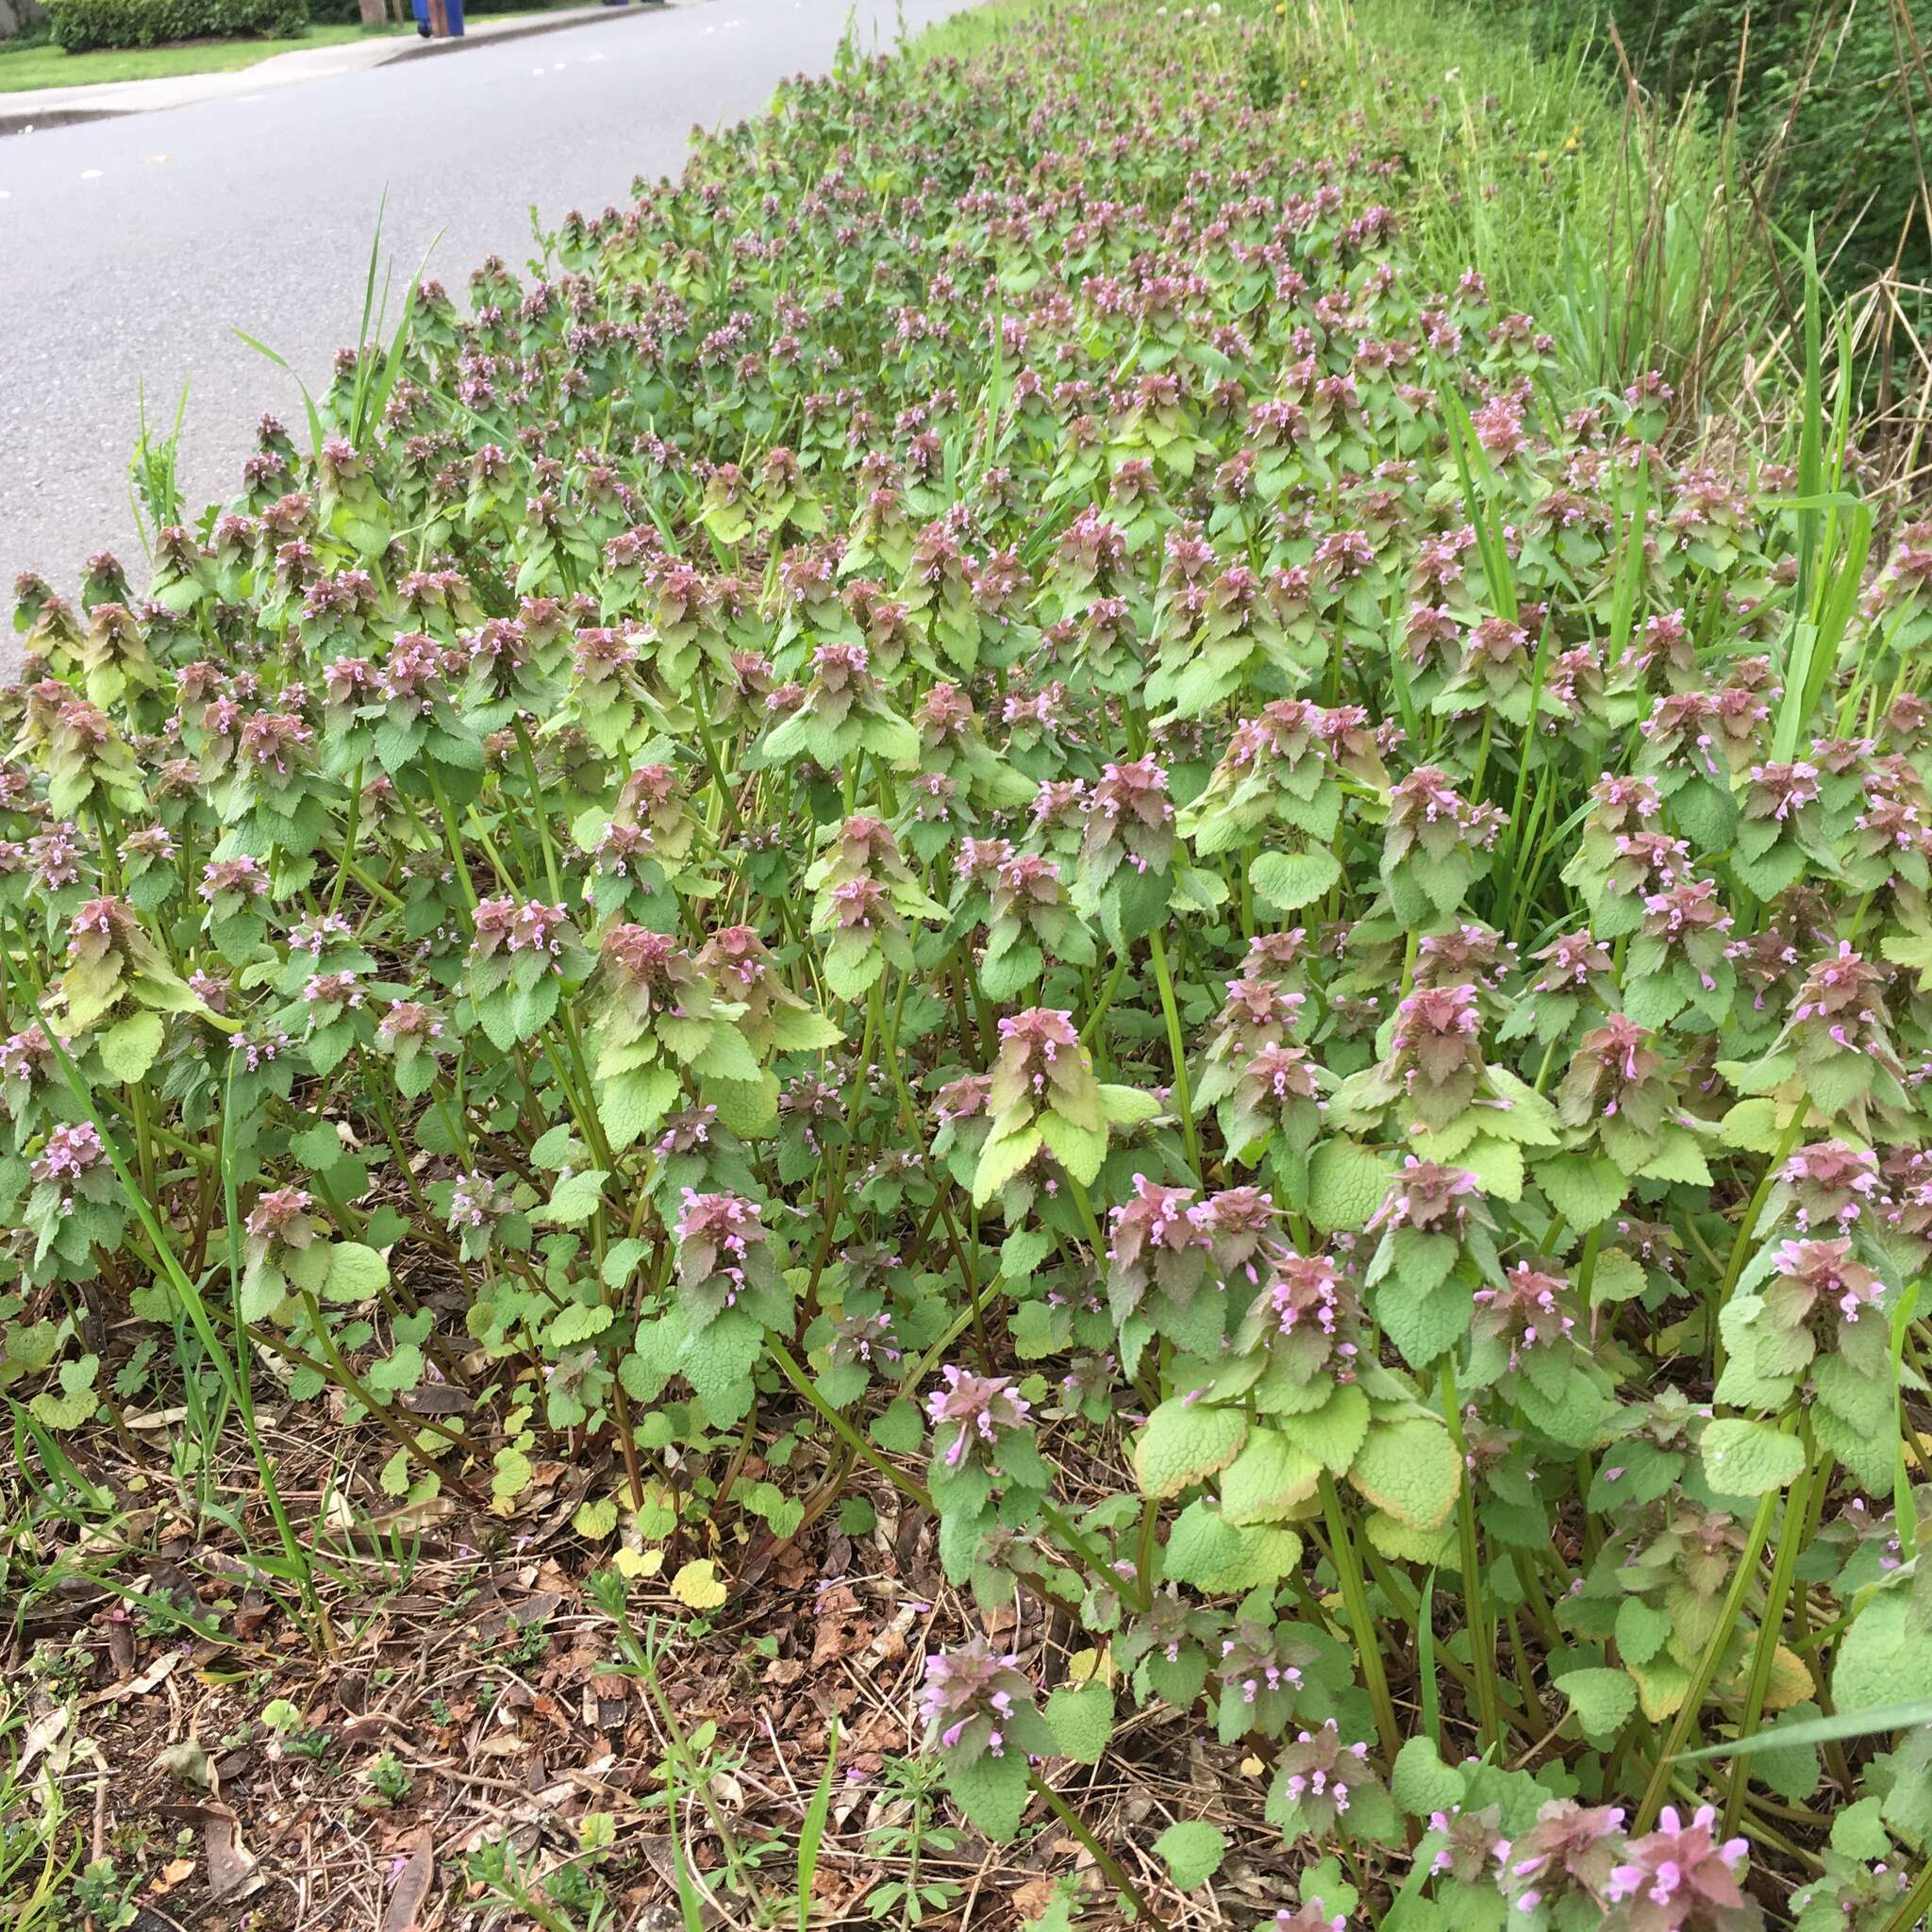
(453, 8)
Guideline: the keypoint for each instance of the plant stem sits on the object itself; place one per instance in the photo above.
(1102, 1857)
(454, 835)
(1686, 1718)
(1740, 1245)
(349, 837)
(790, 1369)
(1790, 1542)
(538, 812)
(1476, 1597)
(1177, 1051)
(1356, 1600)
(231, 1375)
(1095, 1565)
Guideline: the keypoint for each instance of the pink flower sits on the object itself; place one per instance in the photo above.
(975, 1411)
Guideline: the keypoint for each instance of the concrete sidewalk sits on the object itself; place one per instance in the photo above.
(59, 107)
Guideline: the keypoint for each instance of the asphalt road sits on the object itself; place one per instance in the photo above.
(131, 249)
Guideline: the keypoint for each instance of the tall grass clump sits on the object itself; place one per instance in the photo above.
(1020, 801)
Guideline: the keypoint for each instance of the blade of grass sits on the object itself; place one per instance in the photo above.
(1880, 1721)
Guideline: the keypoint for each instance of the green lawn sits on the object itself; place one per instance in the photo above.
(34, 62)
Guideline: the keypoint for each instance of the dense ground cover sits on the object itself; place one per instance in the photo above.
(1001, 944)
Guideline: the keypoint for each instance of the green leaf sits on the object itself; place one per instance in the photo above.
(632, 1104)
(900, 1429)
(1881, 1658)
(573, 1199)
(356, 1274)
(1288, 881)
(1619, 1277)
(748, 1107)
(1082, 1719)
(620, 1261)
(1184, 1443)
(1426, 1548)
(576, 1322)
(1191, 1851)
(1333, 1433)
(1126, 1107)
(1201, 1544)
(1640, 1630)
(1346, 1182)
(1421, 1782)
(991, 1791)
(1022, 1251)
(1746, 1459)
(1079, 1150)
(514, 1471)
(1001, 1158)
(1497, 1166)
(398, 1371)
(1584, 1191)
(128, 1047)
(76, 1400)
(1857, 1833)
(595, 1519)
(1268, 1479)
(1752, 1124)
(1602, 1699)
(1409, 1468)
(1424, 1326)
(1678, 1157)
(1794, 1770)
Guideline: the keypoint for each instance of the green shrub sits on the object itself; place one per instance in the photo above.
(1825, 105)
(81, 26)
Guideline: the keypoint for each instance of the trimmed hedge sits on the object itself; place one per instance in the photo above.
(81, 26)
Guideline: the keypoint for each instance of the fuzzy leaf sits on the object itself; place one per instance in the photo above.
(1333, 1433)
(129, 1046)
(1191, 1851)
(1001, 1158)
(1268, 1478)
(991, 1791)
(1183, 1443)
(1746, 1459)
(1346, 1182)
(1602, 1700)
(1421, 1782)
(1411, 1469)
(1881, 1660)
(575, 1198)
(1584, 1191)
(356, 1274)
(1640, 1630)
(1082, 1720)
(1288, 880)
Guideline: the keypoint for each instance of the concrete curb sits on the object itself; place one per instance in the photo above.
(526, 29)
(25, 120)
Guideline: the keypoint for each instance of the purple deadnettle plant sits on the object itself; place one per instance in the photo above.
(1009, 849)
